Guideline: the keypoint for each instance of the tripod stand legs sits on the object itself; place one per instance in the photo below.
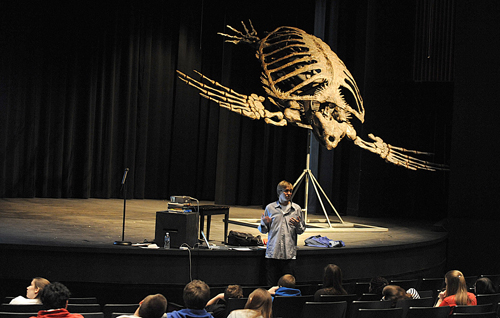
(308, 175)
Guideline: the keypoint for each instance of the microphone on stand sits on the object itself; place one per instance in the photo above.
(125, 175)
(124, 178)
(124, 188)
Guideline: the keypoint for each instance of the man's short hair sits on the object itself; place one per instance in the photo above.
(153, 306)
(233, 291)
(196, 294)
(54, 296)
(282, 186)
(287, 280)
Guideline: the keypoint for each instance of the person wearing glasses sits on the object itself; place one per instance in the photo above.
(282, 221)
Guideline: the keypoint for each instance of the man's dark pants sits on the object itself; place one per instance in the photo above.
(275, 268)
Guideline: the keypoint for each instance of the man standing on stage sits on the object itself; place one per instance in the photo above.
(282, 221)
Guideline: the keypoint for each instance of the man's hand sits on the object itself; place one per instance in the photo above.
(266, 219)
(295, 221)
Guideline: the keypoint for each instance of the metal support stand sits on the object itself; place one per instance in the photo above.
(309, 177)
(124, 188)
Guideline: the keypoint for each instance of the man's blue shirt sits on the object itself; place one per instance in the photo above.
(281, 235)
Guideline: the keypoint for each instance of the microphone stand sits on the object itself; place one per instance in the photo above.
(124, 187)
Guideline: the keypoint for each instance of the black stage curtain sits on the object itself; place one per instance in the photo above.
(88, 89)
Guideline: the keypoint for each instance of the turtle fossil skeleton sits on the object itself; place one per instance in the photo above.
(307, 81)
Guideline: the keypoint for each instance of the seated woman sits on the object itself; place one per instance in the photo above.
(456, 291)
(394, 293)
(259, 305)
(32, 293)
(332, 282)
(484, 285)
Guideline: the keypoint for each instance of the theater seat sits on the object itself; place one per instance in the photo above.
(324, 309)
(108, 309)
(428, 312)
(380, 313)
(20, 308)
(290, 306)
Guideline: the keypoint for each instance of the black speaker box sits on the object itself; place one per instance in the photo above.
(182, 226)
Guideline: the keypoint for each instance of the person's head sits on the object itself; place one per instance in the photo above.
(196, 294)
(455, 282)
(377, 284)
(233, 291)
(394, 293)
(153, 306)
(55, 296)
(261, 301)
(36, 286)
(332, 277)
(484, 285)
(287, 280)
(284, 190)
(456, 285)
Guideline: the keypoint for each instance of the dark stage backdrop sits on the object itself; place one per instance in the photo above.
(88, 89)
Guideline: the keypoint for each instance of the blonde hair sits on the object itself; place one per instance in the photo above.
(40, 283)
(261, 301)
(282, 186)
(456, 285)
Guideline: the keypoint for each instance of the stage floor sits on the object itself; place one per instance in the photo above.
(98, 222)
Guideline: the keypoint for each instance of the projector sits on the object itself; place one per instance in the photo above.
(180, 199)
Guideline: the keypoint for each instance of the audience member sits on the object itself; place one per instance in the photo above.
(484, 285)
(217, 305)
(153, 306)
(32, 292)
(332, 282)
(394, 293)
(456, 291)
(286, 287)
(55, 298)
(259, 305)
(413, 293)
(196, 295)
(377, 285)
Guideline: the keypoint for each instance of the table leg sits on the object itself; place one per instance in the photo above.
(226, 220)
(209, 220)
(202, 224)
